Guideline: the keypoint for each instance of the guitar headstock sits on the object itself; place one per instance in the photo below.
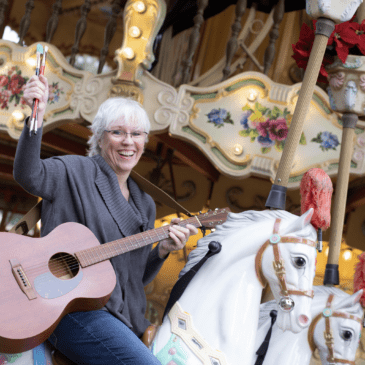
(214, 218)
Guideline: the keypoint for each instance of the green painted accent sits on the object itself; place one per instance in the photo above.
(52, 60)
(230, 88)
(294, 179)
(333, 166)
(5, 48)
(71, 77)
(204, 96)
(172, 351)
(244, 83)
(10, 358)
(194, 134)
(62, 112)
(229, 164)
(321, 103)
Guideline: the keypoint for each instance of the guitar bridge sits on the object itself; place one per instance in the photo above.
(22, 279)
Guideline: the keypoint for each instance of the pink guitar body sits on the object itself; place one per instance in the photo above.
(59, 286)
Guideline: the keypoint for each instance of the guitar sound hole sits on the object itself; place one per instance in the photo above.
(63, 265)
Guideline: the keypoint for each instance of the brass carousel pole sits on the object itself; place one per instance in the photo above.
(327, 17)
(277, 195)
(347, 93)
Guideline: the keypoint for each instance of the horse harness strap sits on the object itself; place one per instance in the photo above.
(278, 262)
(327, 313)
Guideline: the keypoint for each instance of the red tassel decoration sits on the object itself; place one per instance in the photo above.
(316, 192)
(359, 277)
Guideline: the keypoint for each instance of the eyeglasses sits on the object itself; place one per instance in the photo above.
(119, 134)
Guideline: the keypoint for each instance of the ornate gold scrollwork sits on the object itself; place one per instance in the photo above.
(126, 90)
(142, 21)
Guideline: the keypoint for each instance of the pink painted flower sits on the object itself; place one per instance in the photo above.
(172, 351)
(336, 80)
(3, 80)
(278, 129)
(263, 128)
(4, 99)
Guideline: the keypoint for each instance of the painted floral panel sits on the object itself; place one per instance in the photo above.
(269, 127)
(11, 88)
(54, 93)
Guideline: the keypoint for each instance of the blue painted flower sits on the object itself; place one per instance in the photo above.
(329, 140)
(265, 141)
(244, 120)
(217, 116)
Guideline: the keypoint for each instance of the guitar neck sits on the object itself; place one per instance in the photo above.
(108, 250)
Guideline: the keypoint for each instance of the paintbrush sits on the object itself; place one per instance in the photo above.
(39, 53)
(41, 72)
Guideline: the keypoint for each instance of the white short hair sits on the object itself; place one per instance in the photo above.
(113, 109)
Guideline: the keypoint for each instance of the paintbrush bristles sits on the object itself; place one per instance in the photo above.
(39, 48)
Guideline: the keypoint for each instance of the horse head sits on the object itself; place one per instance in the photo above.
(336, 331)
(287, 262)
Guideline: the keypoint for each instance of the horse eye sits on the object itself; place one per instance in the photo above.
(346, 335)
(299, 262)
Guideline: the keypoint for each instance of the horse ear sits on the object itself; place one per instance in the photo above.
(349, 301)
(299, 223)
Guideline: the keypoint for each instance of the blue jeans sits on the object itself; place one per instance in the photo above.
(98, 338)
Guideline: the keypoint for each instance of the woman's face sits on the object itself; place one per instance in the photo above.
(120, 150)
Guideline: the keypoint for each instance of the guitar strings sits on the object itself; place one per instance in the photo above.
(129, 243)
(62, 264)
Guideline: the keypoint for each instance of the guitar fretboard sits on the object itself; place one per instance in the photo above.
(108, 250)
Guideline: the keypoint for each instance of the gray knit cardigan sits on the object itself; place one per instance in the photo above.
(86, 190)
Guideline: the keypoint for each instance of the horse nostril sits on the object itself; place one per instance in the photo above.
(303, 319)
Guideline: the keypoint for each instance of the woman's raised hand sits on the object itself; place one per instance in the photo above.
(37, 88)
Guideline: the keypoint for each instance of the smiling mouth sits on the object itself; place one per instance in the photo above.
(126, 153)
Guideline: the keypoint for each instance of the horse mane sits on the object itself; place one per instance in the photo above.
(233, 221)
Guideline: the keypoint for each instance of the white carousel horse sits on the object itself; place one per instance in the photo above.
(344, 321)
(41, 355)
(215, 320)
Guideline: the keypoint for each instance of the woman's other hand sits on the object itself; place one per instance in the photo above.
(37, 88)
(178, 238)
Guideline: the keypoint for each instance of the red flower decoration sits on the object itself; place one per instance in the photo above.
(359, 277)
(16, 84)
(278, 129)
(344, 38)
(3, 80)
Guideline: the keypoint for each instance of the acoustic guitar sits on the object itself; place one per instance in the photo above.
(43, 279)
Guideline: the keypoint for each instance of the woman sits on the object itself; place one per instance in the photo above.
(97, 192)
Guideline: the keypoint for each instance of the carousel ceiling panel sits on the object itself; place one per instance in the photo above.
(64, 37)
(241, 125)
